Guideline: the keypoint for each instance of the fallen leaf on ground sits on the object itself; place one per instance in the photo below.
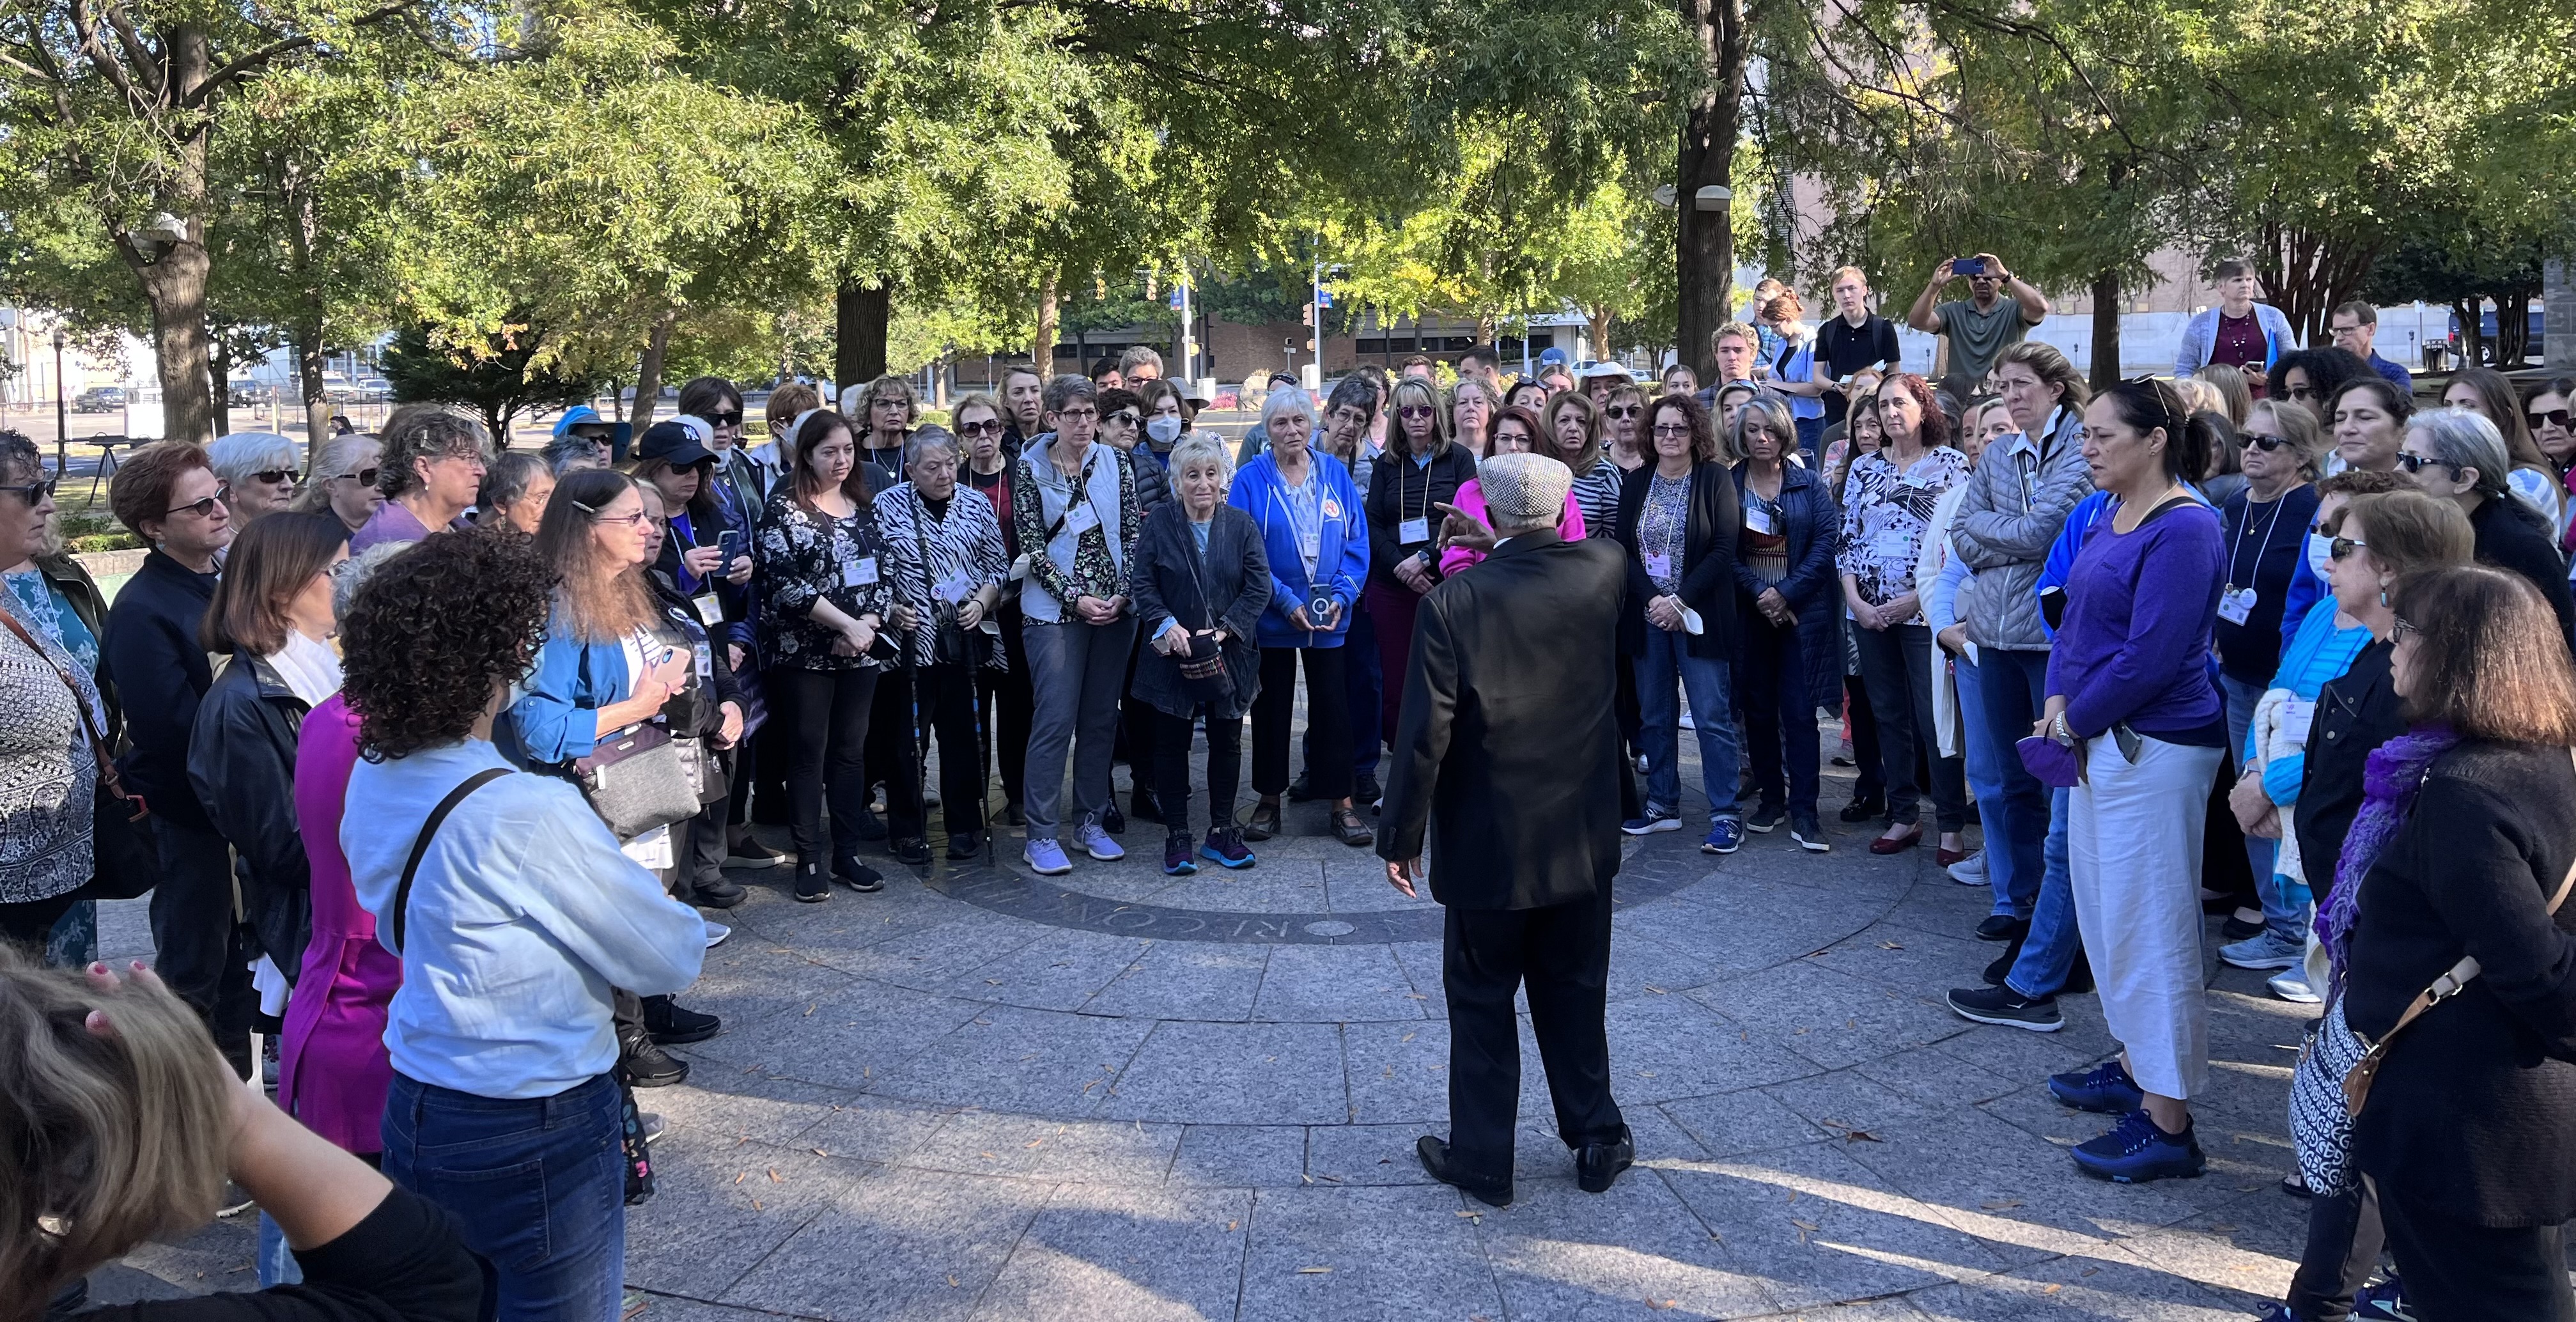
(1889, 945)
(773, 1176)
(1313, 1271)
(2052, 1289)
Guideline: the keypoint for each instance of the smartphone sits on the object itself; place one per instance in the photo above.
(729, 543)
(1319, 604)
(1967, 266)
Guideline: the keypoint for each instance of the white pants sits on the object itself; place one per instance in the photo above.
(2133, 838)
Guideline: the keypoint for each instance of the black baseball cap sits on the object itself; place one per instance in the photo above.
(672, 443)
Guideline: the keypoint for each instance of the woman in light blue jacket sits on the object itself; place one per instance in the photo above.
(2239, 330)
(1316, 538)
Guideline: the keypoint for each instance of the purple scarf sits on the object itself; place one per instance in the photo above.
(2389, 780)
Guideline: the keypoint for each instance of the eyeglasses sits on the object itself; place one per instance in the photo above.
(2254, 440)
(596, 516)
(2342, 548)
(2416, 463)
(1624, 412)
(731, 419)
(273, 476)
(2552, 418)
(1672, 429)
(365, 477)
(33, 493)
(988, 427)
(204, 509)
(2399, 626)
(1127, 416)
(1086, 413)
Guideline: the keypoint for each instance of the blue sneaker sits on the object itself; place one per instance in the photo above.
(1725, 836)
(1657, 818)
(2383, 1301)
(2106, 1088)
(2279, 1313)
(2134, 1151)
(1045, 858)
(1096, 842)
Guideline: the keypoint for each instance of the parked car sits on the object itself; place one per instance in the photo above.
(244, 393)
(374, 390)
(99, 399)
(2487, 335)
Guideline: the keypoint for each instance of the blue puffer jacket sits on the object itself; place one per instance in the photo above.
(1343, 556)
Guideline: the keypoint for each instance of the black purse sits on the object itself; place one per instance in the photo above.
(1203, 672)
(125, 848)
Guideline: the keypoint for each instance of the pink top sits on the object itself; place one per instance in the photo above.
(1471, 500)
(332, 1067)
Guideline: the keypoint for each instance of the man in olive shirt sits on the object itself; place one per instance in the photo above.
(1980, 326)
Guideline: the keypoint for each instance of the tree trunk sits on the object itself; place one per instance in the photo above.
(173, 275)
(2469, 313)
(2106, 331)
(1705, 252)
(309, 366)
(860, 314)
(219, 367)
(648, 375)
(1600, 329)
(1043, 352)
(2306, 273)
(2513, 326)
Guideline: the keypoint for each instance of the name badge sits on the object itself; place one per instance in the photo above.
(1310, 545)
(860, 573)
(706, 661)
(1081, 519)
(1413, 532)
(2236, 605)
(710, 610)
(956, 588)
(1659, 566)
(2297, 716)
(1893, 544)
(1758, 519)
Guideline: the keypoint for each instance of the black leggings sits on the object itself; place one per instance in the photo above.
(1172, 769)
(1009, 703)
(827, 718)
(947, 695)
(1328, 721)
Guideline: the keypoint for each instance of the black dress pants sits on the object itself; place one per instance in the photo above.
(1563, 953)
(827, 717)
(946, 695)
(1171, 762)
(1328, 722)
(201, 950)
(2344, 1239)
(2457, 1272)
(1009, 704)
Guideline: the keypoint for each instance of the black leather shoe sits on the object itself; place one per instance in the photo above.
(1298, 791)
(2002, 927)
(1863, 810)
(1263, 823)
(856, 875)
(912, 849)
(719, 894)
(647, 1065)
(677, 1026)
(1597, 1167)
(1435, 1159)
(965, 844)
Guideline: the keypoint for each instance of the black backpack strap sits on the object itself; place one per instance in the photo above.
(428, 829)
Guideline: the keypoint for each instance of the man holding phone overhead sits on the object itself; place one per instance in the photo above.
(1998, 312)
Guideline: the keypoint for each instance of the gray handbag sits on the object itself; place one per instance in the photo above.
(637, 779)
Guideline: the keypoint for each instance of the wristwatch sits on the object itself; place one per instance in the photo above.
(2059, 730)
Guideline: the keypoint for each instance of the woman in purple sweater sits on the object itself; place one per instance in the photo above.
(2129, 691)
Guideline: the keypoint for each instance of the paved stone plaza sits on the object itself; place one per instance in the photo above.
(1117, 1095)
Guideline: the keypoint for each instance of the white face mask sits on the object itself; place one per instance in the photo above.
(1163, 430)
(2320, 555)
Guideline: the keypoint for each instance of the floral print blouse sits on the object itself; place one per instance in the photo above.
(1885, 514)
(805, 554)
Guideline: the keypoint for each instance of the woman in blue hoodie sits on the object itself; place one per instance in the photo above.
(1316, 538)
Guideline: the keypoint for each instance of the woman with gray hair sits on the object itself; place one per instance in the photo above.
(258, 471)
(343, 480)
(515, 491)
(432, 471)
(2459, 454)
(950, 567)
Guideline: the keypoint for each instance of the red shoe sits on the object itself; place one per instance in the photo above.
(1947, 857)
(1896, 844)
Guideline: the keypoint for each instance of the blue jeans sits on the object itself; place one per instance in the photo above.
(1667, 658)
(1982, 763)
(277, 1264)
(1779, 692)
(539, 1185)
(2048, 953)
(2011, 691)
(1811, 435)
(2287, 918)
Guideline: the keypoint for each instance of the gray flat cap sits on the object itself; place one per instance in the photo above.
(1524, 489)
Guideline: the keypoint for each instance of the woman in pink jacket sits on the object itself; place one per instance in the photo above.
(1512, 431)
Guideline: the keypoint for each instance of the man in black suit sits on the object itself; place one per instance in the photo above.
(1510, 743)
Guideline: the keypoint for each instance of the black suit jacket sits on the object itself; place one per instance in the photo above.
(1509, 735)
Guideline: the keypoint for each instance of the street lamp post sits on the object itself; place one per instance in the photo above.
(62, 413)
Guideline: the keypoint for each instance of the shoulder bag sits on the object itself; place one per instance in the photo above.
(1203, 671)
(637, 779)
(2332, 1080)
(125, 849)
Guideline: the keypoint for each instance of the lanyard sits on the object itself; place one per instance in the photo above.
(2233, 552)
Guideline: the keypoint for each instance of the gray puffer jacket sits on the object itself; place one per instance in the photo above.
(2017, 501)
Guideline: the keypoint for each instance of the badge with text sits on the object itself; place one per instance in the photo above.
(860, 573)
(2236, 605)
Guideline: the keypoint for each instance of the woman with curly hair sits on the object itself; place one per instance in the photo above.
(514, 912)
(828, 587)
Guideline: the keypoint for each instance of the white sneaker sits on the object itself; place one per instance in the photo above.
(2292, 986)
(2263, 950)
(716, 934)
(1970, 871)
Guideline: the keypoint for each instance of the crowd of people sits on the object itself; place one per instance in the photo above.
(2268, 639)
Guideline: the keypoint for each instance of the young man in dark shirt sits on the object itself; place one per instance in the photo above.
(1852, 339)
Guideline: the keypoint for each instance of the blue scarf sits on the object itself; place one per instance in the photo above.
(2389, 781)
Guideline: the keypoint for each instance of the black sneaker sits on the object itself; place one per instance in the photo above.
(1864, 809)
(812, 887)
(2002, 927)
(647, 1065)
(965, 844)
(2003, 1005)
(1810, 834)
(856, 875)
(912, 849)
(676, 1025)
(718, 893)
(750, 853)
(1766, 819)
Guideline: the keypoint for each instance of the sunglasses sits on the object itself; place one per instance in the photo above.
(1624, 412)
(1672, 429)
(204, 509)
(365, 477)
(33, 493)
(1416, 411)
(2253, 440)
(1128, 416)
(988, 427)
(2341, 548)
(630, 520)
(273, 476)
(2302, 392)
(2416, 463)
(2553, 418)
(732, 419)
